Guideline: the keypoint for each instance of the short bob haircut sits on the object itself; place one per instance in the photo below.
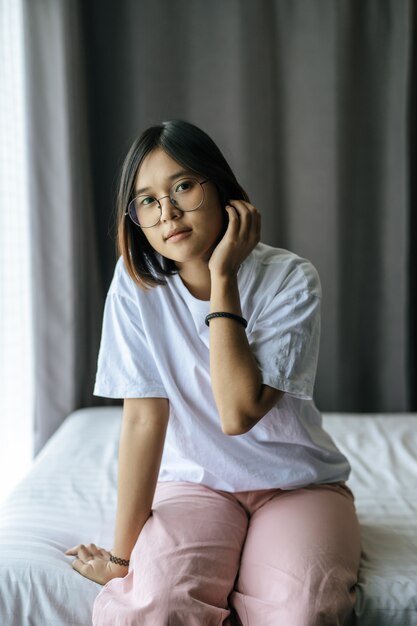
(193, 149)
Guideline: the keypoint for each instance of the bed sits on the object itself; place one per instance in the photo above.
(70, 496)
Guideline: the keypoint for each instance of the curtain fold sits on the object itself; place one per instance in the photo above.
(65, 271)
(309, 102)
(412, 214)
(373, 204)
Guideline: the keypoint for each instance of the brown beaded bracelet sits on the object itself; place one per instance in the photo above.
(115, 559)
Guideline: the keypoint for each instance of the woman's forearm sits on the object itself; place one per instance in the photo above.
(235, 376)
(140, 450)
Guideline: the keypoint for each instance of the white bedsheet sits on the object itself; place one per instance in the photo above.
(382, 450)
(70, 496)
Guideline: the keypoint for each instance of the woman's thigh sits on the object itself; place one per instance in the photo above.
(193, 539)
(300, 560)
(184, 564)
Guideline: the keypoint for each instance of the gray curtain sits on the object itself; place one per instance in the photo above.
(67, 292)
(309, 101)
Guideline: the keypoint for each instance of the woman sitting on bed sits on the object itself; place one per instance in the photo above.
(232, 501)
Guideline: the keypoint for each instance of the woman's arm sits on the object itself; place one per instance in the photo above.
(241, 398)
(141, 445)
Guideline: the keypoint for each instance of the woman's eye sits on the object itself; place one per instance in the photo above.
(184, 185)
(147, 201)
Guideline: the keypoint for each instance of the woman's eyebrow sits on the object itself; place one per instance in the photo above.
(171, 177)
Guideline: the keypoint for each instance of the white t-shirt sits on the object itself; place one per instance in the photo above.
(155, 343)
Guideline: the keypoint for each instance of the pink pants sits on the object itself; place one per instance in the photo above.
(257, 558)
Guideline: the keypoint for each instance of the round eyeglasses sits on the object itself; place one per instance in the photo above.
(186, 194)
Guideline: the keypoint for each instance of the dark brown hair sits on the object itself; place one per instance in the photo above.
(193, 149)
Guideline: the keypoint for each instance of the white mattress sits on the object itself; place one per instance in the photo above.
(70, 496)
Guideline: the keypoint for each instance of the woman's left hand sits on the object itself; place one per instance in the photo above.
(242, 235)
(94, 563)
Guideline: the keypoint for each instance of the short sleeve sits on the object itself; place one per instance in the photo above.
(126, 367)
(286, 336)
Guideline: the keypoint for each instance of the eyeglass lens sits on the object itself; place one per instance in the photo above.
(185, 194)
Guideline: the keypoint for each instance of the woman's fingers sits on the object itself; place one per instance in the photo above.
(85, 554)
(93, 563)
(249, 220)
(85, 568)
(88, 552)
(73, 551)
(98, 552)
(233, 226)
(242, 235)
(245, 210)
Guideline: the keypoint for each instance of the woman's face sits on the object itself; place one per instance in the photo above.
(198, 231)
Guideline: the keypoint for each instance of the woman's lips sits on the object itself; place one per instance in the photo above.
(179, 236)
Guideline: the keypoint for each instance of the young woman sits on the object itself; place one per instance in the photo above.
(232, 503)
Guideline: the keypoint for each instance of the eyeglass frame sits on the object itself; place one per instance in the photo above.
(201, 183)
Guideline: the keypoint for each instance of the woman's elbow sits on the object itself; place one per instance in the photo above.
(238, 419)
(237, 423)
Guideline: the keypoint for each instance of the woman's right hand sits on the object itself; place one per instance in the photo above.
(94, 563)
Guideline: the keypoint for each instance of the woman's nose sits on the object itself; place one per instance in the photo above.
(168, 209)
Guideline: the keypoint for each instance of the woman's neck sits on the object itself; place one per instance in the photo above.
(196, 277)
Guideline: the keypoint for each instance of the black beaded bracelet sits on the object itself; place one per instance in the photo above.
(232, 316)
(115, 559)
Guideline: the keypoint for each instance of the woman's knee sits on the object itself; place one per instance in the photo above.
(173, 606)
(329, 598)
(322, 597)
